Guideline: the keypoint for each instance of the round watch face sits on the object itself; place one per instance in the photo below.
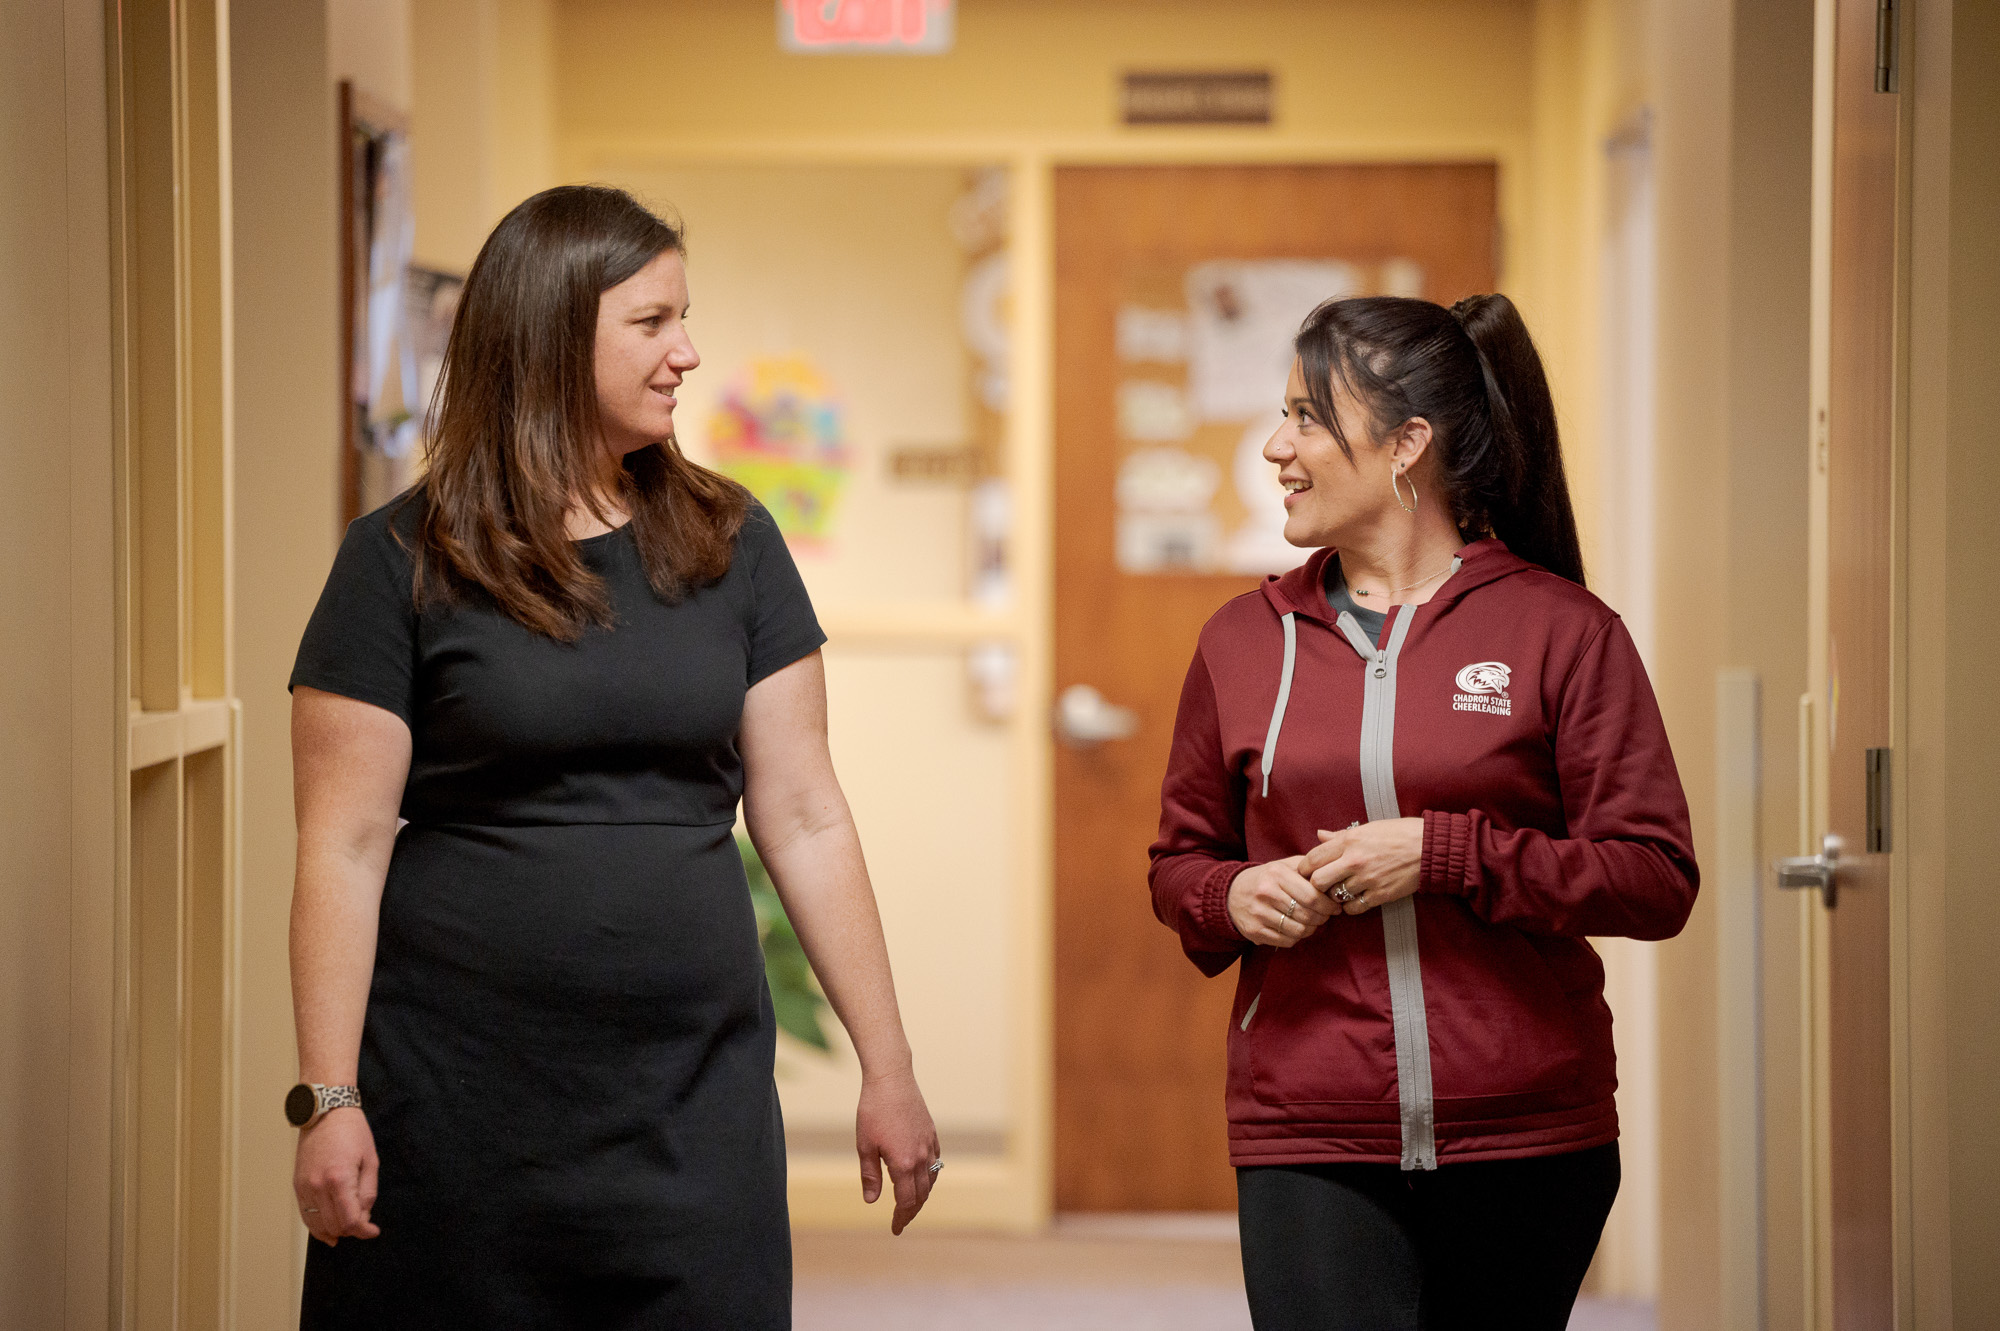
(300, 1103)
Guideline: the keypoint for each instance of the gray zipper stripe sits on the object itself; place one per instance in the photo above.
(1399, 918)
(1284, 696)
(1251, 1011)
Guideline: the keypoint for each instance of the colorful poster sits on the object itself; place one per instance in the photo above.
(777, 429)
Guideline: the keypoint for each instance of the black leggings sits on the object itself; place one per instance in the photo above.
(1489, 1244)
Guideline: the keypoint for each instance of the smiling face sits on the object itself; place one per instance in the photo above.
(643, 352)
(1332, 499)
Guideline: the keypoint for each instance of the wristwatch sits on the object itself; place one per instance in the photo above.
(308, 1102)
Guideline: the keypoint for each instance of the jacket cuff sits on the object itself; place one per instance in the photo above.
(1447, 852)
(1212, 907)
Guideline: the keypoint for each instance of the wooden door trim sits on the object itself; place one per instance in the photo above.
(163, 967)
(1901, 1131)
(1815, 810)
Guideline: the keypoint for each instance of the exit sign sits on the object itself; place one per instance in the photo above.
(866, 27)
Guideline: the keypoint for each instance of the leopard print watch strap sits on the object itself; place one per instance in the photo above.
(338, 1097)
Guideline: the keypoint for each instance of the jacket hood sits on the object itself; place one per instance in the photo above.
(1299, 591)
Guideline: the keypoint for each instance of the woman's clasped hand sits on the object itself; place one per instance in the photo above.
(1283, 902)
(1367, 866)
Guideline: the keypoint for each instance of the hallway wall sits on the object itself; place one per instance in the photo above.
(286, 59)
(1733, 88)
(1953, 727)
(286, 527)
(57, 682)
(482, 118)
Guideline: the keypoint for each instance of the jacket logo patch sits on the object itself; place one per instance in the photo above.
(1483, 688)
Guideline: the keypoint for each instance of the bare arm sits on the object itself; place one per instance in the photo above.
(349, 763)
(803, 830)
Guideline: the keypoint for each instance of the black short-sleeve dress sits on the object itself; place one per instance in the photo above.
(567, 1060)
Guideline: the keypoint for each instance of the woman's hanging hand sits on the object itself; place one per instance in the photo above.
(1273, 905)
(334, 1177)
(1369, 866)
(894, 1127)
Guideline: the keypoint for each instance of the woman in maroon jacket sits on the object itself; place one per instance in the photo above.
(1408, 780)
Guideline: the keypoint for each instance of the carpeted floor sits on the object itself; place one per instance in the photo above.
(1099, 1273)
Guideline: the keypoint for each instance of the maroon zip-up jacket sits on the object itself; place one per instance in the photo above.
(1467, 1021)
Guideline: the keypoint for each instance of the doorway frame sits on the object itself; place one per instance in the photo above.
(1906, 980)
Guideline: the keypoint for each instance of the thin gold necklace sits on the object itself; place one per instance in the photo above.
(1412, 587)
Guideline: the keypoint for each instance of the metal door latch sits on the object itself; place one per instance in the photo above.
(1084, 718)
(1818, 872)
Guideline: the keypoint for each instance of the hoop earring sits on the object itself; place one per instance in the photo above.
(1410, 507)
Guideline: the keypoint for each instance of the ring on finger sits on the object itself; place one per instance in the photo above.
(1290, 906)
(1341, 894)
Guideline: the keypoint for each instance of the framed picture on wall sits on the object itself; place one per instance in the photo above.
(388, 313)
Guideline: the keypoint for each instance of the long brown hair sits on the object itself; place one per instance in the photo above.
(513, 427)
(1473, 372)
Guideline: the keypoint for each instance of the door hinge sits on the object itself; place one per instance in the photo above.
(1885, 45)
(1879, 795)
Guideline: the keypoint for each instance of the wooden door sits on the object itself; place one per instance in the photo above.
(1860, 405)
(1139, 1033)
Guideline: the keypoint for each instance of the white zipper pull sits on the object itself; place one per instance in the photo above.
(1381, 665)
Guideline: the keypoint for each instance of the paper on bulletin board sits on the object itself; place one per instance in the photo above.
(1203, 355)
(1242, 317)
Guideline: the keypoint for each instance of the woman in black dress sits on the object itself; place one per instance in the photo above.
(563, 657)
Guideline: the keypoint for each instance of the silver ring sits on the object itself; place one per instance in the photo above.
(1290, 906)
(1341, 894)
(936, 1165)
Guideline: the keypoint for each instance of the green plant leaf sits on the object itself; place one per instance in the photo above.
(796, 998)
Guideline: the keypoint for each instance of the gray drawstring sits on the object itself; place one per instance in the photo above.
(1284, 695)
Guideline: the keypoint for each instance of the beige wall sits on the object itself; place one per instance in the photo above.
(1733, 91)
(57, 789)
(1690, 73)
(1953, 728)
(652, 71)
(482, 118)
(34, 790)
(1768, 327)
(368, 41)
(287, 508)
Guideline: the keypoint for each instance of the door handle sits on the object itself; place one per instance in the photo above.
(1084, 719)
(1817, 872)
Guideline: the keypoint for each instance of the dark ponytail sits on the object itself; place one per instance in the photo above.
(1473, 373)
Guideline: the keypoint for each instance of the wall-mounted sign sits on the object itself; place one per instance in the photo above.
(866, 27)
(1241, 97)
(935, 464)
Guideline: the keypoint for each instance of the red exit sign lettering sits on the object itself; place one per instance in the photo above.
(873, 27)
